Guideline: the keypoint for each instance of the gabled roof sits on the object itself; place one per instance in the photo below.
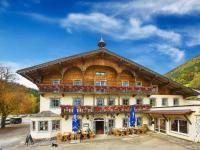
(164, 79)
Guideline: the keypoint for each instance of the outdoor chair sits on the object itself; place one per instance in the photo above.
(72, 136)
(144, 129)
(116, 132)
(91, 134)
(59, 137)
(66, 136)
(85, 135)
(78, 136)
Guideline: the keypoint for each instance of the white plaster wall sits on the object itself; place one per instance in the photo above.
(36, 134)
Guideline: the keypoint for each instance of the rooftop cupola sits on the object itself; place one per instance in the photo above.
(101, 43)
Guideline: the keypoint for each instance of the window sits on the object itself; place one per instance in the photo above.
(111, 101)
(138, 83)
(77, 82)
(55, 82)
(125, 101)
(164, 102)
(100, 73)
(100, 101)
(139, 121)
(153, 102)
(54, 102)
(79, 124)
(43, 125)
(125, 122)
(150, 121)
(179, 125)
(77, 101)
(111, 123)
(33, 125)
(100, 83)
(55, 125)
(125, 83)
(183, 126)
(176, 101)
(139, 101)
(174, 125)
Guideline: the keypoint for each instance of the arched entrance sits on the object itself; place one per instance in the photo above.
(99, 125)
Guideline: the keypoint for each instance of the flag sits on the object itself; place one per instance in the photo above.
(132, 116)
(75, 120)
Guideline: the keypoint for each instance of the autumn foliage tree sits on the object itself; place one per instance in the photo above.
(14, 98)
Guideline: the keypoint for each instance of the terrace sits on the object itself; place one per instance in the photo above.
(92, 110)
(90, 89)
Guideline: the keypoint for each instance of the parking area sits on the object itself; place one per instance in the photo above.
(13, 137)
(143, 142)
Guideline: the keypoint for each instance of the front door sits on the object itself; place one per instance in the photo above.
(99, 127)
(160, 125)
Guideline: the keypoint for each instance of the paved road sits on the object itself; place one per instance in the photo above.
(124, 143)
(13, 135)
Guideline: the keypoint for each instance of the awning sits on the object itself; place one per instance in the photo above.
(169, 112)
(183, 112)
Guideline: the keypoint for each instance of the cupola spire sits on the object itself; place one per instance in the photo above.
(101, 43)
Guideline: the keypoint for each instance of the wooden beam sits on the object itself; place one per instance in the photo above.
(187, 119)
(164, 117)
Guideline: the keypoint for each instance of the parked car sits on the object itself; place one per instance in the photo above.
(15, 120)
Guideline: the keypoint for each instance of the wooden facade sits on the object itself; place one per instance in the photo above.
(116, 69)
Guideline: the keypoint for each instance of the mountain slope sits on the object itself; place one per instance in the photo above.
(188, 73)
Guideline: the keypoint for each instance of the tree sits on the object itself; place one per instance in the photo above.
(14, 98)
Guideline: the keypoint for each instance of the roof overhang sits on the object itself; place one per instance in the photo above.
(26, 72)
(169, 112)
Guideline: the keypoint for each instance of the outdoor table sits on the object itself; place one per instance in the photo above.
(123, 131)
(137, 130)
(66, 135)
(85, 134)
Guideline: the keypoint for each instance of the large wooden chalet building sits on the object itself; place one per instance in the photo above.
(103, 86)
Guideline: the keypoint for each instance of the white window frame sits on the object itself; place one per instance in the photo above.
(55, 82)
(178, 132)
(141, 121)
(99, 73)
(77, 98)
(43, 125)
(125, 99)
(54, 99)
(100, 98)
(167, 103)
(110, 98)
(74, 82)
(126, 83)
(152, 98)
(138, 98)
(177, 100)
(113, 123)
(127, 121)
(57, 125)
(137, 84)
(33, 125)
(101, 81)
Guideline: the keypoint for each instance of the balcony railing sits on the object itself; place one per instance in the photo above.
(92, 110)
(97, 89)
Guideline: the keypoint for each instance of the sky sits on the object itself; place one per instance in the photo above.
(158, 34)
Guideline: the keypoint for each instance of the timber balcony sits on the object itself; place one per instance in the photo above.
(132, 90)
(92, 110)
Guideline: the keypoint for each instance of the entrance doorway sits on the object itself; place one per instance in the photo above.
(160, 125)
(99, 125)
